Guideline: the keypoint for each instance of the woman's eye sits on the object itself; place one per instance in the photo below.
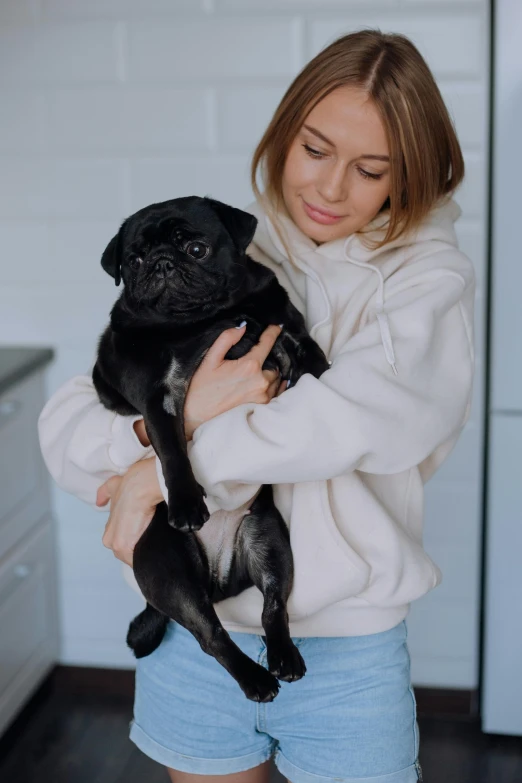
(198, 250)
(135, 262)
(368, 174)
(313, 153)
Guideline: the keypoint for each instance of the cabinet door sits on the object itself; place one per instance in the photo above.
(23, 486)
(28, 620)
(502, 690)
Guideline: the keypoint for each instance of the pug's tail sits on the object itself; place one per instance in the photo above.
(146, 631)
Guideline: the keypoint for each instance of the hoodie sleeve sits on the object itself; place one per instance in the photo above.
(83, 444)
(358, 415)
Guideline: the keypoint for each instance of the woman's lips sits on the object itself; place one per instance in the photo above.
(320, 217)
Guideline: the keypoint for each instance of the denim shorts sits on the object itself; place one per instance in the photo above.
(352, 717)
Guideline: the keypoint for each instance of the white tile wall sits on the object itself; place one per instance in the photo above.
(55, 54)
(439, 36)
(108, 105)
(212, 50)
(122, 122)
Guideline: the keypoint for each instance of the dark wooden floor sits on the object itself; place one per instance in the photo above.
(65, 735)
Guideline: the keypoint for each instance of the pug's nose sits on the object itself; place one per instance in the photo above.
(163, 267)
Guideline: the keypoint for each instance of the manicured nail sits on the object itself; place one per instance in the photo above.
(282, 326)
(288, 383)
(243, 323)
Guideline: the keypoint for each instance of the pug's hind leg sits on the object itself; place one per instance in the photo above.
(264, 542)
(193, 609)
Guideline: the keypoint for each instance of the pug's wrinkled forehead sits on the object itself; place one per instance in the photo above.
(193, 217)
(176, 222)
(168, 223)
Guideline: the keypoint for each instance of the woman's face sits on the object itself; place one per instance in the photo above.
(337, 171)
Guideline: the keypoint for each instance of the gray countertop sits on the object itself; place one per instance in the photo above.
(17, 363)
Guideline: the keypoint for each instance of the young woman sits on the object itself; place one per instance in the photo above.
(356, 218)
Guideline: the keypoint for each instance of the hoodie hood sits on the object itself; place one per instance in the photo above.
(306, 254)
(438, 225)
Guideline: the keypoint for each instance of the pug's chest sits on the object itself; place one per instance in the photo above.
(143, 370)
(163, 368)
(175, 383)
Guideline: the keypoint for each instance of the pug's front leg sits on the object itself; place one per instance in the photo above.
(306, 355)
(187, 508)
(311, 357)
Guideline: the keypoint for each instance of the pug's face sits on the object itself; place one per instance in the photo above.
(180, 256)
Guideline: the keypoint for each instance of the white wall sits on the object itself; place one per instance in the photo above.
(108, 105)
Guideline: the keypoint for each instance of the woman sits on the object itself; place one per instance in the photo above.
(359, 164)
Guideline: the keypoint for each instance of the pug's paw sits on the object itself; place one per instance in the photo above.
(285, 661)
(189, 512)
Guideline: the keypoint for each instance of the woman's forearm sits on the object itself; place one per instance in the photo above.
(141, 432)
(83, 443)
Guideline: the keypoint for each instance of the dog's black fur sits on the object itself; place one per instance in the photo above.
(188, 278)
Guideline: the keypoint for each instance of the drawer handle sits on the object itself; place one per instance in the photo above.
(19, 574)
(8, 409)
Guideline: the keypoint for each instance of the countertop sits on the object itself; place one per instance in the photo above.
(17, 363)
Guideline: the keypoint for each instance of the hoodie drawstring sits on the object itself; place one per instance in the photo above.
(382, 317)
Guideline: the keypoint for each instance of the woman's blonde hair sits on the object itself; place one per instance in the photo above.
(426, 161)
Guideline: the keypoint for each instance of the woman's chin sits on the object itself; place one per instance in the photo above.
(321, 233)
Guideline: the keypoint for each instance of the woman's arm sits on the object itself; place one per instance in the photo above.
(83, 444)
(358, 415)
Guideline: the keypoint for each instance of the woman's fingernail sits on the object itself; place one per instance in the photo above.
(288, 384)
(282, 326)
(243, 323)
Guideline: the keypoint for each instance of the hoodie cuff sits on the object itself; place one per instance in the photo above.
(209, 501)
(126, 448)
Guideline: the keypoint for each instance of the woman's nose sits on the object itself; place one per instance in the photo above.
(333, 186)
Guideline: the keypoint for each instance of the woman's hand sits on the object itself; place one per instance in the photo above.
(220, 384)
(133, 499)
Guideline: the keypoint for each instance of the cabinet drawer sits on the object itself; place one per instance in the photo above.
(23, 491)
(18, 445)
(28, 617)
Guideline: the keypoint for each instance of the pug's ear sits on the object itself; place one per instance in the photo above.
(240, 225)
(111, 258)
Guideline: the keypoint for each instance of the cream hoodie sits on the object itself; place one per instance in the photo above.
(348, 453)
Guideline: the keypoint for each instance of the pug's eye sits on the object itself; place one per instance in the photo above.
(135, 262)
(197, 250)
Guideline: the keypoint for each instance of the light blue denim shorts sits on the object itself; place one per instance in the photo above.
(352, 717)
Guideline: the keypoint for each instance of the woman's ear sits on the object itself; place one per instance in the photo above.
(240, 225)
(111, 258)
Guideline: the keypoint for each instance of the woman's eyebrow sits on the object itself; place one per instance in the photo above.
(385, 158)
(321, 136)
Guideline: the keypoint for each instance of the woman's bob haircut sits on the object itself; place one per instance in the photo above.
(426, 161)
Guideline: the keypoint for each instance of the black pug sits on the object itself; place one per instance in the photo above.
(188, 278)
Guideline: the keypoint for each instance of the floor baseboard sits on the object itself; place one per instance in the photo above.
(447, 702)
(119, 684)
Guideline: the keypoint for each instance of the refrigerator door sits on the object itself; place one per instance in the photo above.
(502, 669)
(506, 353)
(502, 683)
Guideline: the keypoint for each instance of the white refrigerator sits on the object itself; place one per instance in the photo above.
(502, 649)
